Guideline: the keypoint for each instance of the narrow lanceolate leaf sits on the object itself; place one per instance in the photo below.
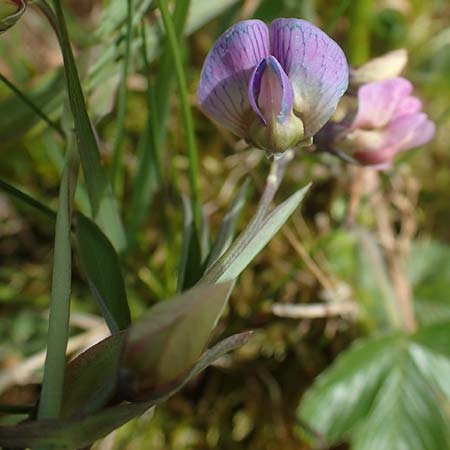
(251, 242)
(186, 113)
(167, 340)
(228, 226)
(104, 207)
(91, 378)
(71, 434)
(386, 393)
(58, 331)
(101, 264)
(190, 269)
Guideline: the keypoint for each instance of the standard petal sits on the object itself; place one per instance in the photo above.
(223, 88)
(378, 101)
(316, 67)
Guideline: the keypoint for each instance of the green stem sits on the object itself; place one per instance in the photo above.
(58, 331)
(116, 168)
(186, 112)
(165, 77)
(359, 31)
(274, 179)
(32, 106)
(17, 193)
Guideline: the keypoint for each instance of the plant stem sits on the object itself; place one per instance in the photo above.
(116, 172)
(359, 31)
(25, 198)
(186, 112)
(58, 331)
(32, 106)
(278, 167)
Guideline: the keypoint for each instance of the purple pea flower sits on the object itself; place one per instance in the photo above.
(273, 86)
(388, 121)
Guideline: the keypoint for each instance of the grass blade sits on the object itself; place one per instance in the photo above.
(104, 207)
(185, 109)
(116, 168)
(53, 382)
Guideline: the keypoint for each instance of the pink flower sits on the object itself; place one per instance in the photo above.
(388, 121)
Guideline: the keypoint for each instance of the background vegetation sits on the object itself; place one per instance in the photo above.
(357, 237)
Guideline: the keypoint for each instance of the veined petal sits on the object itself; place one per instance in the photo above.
(223, 88)
(270, 92)
(254, 88)
(411, 131)
(316, 67)
(378, 101)
(407, 106)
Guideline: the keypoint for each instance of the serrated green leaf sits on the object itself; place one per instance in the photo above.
(399, 402)
(251, 242)
(405, 414)
(429, 272)
(168, 339)
(102, 267)
(342, 396)
(72, 434)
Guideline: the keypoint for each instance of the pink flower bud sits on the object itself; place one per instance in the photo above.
(388, 121)
(384, 67)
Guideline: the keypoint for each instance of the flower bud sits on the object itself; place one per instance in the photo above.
(10, 13)
(388, 121)
(389, 65)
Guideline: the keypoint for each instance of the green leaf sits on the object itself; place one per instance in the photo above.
(103, 204)
(101, 264)
(190, 268)
(250, 242)
(186, 113)
(17, 118)
(91, 378)
(58, 324)
(429, 272)
(228, 226)
(80, 432)
(342, 395)
(386, 393)
(168, 339)
(405, 414)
